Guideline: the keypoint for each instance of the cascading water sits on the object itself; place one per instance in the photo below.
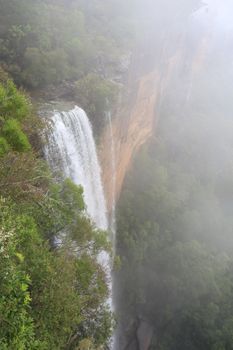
(71, 150)
(112, 219)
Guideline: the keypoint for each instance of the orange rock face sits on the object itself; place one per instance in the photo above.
(130, 129)
(135, 121)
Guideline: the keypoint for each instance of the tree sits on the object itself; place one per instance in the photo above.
(96, 95)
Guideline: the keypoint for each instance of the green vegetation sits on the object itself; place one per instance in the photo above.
(96, 95)
(175, 246)
(175, 216)
(15, 136)
(47, 42)
(14, 112)
(175, 221)
(52, 296)
(4, 147)
(75, 46)
(14, 104)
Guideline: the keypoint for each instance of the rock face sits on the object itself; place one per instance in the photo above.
(130, 129)
(150, 79)
(140, 337)
(136, 120)
(144, 334)
(176, 72)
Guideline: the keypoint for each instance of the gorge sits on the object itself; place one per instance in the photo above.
(116, 198)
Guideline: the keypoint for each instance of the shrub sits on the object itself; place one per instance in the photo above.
(3, 75)
(96, 95)
(15, 136)
(13, 102)
(4, 147)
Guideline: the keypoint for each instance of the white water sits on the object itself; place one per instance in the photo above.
(112, 219)
(71, 150)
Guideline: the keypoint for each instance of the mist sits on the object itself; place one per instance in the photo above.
(174, 215)
(116, 174)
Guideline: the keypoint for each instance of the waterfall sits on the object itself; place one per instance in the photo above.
(112, 219)
(71, 149)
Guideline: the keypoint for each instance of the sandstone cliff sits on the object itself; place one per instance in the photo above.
(136, 119)
(130, 129)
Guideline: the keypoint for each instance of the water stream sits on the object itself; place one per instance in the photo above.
(112, 218)
(71, 150)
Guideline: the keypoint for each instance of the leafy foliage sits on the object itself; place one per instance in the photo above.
(13, 104)
(15, 109)
(15, 136)
(4, 147)
(53, 289)
(175, 220)
(46, 42)
(174, 272)
(17, 328)
(96, 95)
